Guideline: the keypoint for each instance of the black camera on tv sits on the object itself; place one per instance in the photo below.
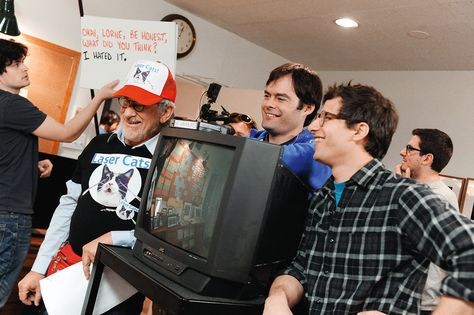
(211, 117)
(208, 118)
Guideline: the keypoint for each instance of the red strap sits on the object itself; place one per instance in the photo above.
(64, 258)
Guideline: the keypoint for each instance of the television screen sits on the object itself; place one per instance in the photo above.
(219, 214)
(185, 195)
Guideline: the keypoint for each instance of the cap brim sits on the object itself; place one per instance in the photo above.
(138, 95)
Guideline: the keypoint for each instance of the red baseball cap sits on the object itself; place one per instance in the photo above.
(148, 82)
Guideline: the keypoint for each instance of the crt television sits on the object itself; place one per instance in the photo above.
(219, 214)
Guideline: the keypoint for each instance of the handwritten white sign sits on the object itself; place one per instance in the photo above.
(110, 46)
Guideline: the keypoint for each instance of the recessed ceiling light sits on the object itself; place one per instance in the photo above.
(419, 34)
(346, 22)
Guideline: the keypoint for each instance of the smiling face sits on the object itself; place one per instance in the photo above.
(334, 140)
(139, 126)
(15, 77)
(281, 116)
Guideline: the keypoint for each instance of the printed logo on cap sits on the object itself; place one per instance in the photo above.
(150, 76)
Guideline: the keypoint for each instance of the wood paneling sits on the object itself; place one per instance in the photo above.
(52, 72)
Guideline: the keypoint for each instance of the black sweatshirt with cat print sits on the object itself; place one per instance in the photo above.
(111, 175)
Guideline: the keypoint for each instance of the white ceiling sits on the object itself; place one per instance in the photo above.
(303, 31)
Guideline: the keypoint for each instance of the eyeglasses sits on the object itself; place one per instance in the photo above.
(409, 148)
(236, 117)
(324, 116)
(125, 102)
(241, 117)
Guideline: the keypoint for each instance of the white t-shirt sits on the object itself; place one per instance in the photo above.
(430, 296)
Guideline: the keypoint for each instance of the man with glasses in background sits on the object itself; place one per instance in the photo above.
(291, 99)
(425, 156)
(241, 124)
(370, 233)
(104, 193)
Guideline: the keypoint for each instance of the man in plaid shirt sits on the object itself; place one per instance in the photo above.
(370, 233)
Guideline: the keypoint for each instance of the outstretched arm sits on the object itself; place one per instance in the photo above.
(52, 130)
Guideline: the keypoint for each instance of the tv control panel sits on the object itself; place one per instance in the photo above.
(164, 261)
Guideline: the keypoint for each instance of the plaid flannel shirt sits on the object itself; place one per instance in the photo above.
(371, 252)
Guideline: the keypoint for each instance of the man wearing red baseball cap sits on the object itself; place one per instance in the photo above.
(103, 196)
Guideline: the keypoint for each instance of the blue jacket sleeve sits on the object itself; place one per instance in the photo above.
(299, 157)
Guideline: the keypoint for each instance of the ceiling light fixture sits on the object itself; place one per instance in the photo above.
(347, 23)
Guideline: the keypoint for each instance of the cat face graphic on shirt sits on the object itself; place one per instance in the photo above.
(112, 187)
(140, 76)
(115, 183)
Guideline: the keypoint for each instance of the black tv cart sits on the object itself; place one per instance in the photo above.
(169, 297)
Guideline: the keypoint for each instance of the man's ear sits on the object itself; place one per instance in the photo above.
(361, 131)
(428, 158)
(308, 109)
(166, 114)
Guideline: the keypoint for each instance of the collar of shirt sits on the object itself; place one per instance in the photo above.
(365, 175)
(150, 144)
(305, 136)
(362, 177)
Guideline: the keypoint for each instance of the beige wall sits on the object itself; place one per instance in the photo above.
(190, 99)
(425, 99)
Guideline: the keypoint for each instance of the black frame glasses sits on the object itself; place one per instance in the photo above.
(125, 102)
(410, 148)
(324, 116)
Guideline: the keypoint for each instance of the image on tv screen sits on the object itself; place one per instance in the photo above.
(186, 191)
